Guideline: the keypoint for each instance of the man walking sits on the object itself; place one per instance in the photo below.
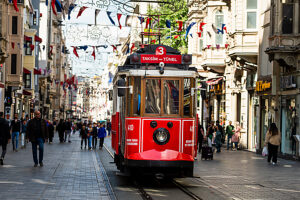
(37, 133)
(68, 129)
(229, 133)
(4, 136)
(15, 129)
(108, 127)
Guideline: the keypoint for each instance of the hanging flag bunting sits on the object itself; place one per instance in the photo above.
(53, 7)
(119, 17)
(132, 47)
(97, 11)
(154, 23)
(31, 47)
(75, 52)
(94, 54)
(180, 24)
(13, 45)
(58, 6)
(71, 7)
(225, 28)
(201, 26)
(176, 36)
(221, 31)
(168, 24)
(83, 47)
(142, 19)
(114, 48)
(81, 11)
(26, 38)
(226, 46)
(189, 28)
(214, 28)
(38, 39)
(208, 46)
(15, 5)
(191, 35)
(111, 20)
(148, 22)
(218, 46)
(199, 34)
(128, 49)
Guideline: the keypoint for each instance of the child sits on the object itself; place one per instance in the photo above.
(83, 134)
(101, 135)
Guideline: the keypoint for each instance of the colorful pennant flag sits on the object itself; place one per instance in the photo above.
(132, 47)
(114, 48)
(201, 26)
(226, 46)
(148, 22)
(58, 6)
(218, 46)
(222, 30)
(208, 46)
(128, 49)
(189, 28)
(38, 39)
(53, 7)
(199, 34)
(81, 11)
(180, 24)
(119, 17)
(176, 36)
(142, 19)
(111, 20)
(71, 7)
(94, 54)
(31, 47)
(15, 5)
(168, 24)
(75, 52)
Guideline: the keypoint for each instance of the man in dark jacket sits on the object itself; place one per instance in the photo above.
(108, 127)
(95, 135)
(37, 133)
(4, 136)
(68, 128)
(16, 127)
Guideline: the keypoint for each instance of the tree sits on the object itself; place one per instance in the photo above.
(174, 10)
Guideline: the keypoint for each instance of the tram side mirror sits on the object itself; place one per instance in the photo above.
(121, 87)
(110, 95)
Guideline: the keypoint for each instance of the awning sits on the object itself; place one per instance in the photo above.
(26, 71)
(37, 72)
(214, 81)
(25, 92)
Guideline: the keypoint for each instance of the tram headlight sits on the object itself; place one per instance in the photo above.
(161, 136)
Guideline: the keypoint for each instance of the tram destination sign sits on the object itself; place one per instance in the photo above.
(168, 59)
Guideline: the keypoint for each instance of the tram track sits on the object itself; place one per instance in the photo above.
(146, 196)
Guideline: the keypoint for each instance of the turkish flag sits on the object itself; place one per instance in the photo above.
(119, 17)
(93, 54)
(81, 11)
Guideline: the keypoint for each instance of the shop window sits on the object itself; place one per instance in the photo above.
(14, 25)
(171, 97)
(28, 50)
(251, 8)
(153, 96)
(27, 80)
(287, 18)
(219, 20)
(13, 69)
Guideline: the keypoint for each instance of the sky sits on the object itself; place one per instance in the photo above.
(82, 31)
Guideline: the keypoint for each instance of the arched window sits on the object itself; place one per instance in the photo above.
(219, 20)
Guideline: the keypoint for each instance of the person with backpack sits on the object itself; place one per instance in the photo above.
(229, 132)
(273, 140)
(4, 136)
(101, 135)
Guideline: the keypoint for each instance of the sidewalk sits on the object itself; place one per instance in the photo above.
(68, 173)
(246, 175)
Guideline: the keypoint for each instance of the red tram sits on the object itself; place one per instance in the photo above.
(154, 125)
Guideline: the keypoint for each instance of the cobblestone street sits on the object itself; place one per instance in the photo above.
(68, 173)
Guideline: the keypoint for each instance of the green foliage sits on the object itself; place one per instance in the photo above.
(175, 10)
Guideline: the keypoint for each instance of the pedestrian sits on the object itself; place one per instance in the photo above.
(236, 136)
(220, 127)
(200, 136)
(83, 135)
(15, 127)
(218, 139)
(273, 139)
(95, 135)
(51, 132)
(101, 135)
(23, 133)
(90, 135)
(210, 133)
(4, 136)
(229, 133)
(37, 134)
(68, 129)
(61, 129)
(108, 127)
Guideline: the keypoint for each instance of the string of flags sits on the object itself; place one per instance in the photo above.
(85, 47)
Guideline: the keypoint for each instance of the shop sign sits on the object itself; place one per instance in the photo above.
(262, 86)
(288, 82)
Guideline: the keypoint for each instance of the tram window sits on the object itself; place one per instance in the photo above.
(137, 96)
(171, 97)
(187, 96)
(129, 96)
(153, 98)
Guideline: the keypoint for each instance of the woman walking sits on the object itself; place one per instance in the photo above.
(101, 135)
(83, 134)
(236, 136)
(273, 139)
(90, 136)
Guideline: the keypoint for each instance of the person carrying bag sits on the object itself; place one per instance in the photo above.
(273, 139)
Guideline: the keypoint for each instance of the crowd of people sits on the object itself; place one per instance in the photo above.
(38, 131)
